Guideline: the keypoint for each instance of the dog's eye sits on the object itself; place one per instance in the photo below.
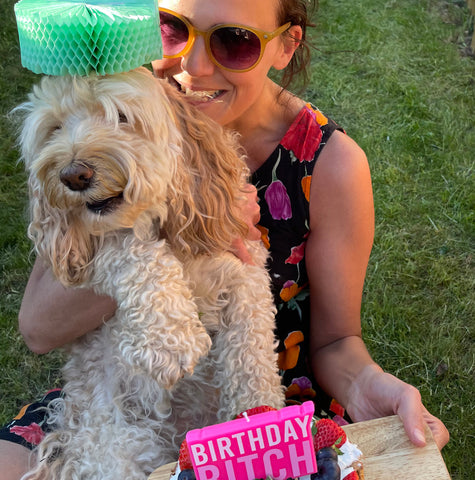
(122, 118)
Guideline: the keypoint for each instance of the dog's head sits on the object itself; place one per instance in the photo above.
(123, 152)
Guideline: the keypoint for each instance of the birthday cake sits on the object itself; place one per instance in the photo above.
(331, 455)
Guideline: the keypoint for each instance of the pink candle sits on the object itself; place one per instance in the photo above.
(279, 444)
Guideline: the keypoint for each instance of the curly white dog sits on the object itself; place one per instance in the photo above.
(133, 193)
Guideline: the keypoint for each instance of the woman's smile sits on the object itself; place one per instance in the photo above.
(201, 96)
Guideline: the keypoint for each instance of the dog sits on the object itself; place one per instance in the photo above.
(135, 194)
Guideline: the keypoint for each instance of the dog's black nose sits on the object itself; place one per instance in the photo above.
(76, 177)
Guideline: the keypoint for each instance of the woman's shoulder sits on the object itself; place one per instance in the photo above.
(342, 155)
(341, 183)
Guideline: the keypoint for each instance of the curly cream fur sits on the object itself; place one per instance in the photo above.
(192, 341)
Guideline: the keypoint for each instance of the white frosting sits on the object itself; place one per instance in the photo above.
(350, 451)
(177, 472)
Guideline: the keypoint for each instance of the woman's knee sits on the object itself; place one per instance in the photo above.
(15, 460)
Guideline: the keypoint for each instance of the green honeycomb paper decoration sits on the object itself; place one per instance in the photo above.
(76, 37)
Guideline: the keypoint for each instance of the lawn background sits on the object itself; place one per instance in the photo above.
(400, 78)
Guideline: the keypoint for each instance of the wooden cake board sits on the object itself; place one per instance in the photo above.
(387, 453)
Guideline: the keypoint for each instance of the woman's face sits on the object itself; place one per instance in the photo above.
(229, 95)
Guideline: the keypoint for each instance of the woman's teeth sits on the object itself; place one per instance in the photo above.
(201, 95)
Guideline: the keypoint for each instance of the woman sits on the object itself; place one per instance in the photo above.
(316, 211)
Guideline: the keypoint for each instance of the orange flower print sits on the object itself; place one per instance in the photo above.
(288, 358)
(306, 182)
(290, 290)
(318, 115)
(264, 235)
(299, 391)
(22, 412)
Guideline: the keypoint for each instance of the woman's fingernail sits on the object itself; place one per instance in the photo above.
(419, 435)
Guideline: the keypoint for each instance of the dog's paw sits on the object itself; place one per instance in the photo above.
(179, 358)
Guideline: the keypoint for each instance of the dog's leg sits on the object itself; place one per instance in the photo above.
(159, 332)
(246, 356)
(244, 343)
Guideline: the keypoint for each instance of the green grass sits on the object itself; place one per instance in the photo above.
(404, 89)
(397, 77)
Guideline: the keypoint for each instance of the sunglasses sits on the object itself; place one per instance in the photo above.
(232, 47)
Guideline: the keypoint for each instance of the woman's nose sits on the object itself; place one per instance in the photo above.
(197, 62)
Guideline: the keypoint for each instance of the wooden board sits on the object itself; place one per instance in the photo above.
(388, 453)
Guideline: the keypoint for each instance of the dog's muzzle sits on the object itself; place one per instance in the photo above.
(78, 177)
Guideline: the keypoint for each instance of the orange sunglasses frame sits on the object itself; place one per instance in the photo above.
(264, 38)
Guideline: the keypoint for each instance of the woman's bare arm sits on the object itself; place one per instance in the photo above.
(338, 249)
(52, 315)
(337, 253)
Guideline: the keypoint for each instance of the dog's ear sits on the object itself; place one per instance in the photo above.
(207, 184)
(34, 119)
(61, 240)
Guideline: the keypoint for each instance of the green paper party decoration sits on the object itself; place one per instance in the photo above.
(76, 37)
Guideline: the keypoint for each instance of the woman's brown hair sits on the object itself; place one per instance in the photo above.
(298, 12)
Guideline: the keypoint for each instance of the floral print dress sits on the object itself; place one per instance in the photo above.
(283, 184)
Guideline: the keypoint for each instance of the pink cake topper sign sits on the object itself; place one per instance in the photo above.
(279, 444)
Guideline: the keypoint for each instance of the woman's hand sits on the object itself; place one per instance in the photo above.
(249, 211)
(375, 394)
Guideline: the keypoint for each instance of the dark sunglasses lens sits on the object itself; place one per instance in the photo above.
(174, 34)
(235, 48)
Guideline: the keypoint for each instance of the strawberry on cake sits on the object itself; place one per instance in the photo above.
(337, 458)
(330, 441)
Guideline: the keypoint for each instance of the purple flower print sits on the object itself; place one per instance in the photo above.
(278, 200)
(302, 382)
(277, 197)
